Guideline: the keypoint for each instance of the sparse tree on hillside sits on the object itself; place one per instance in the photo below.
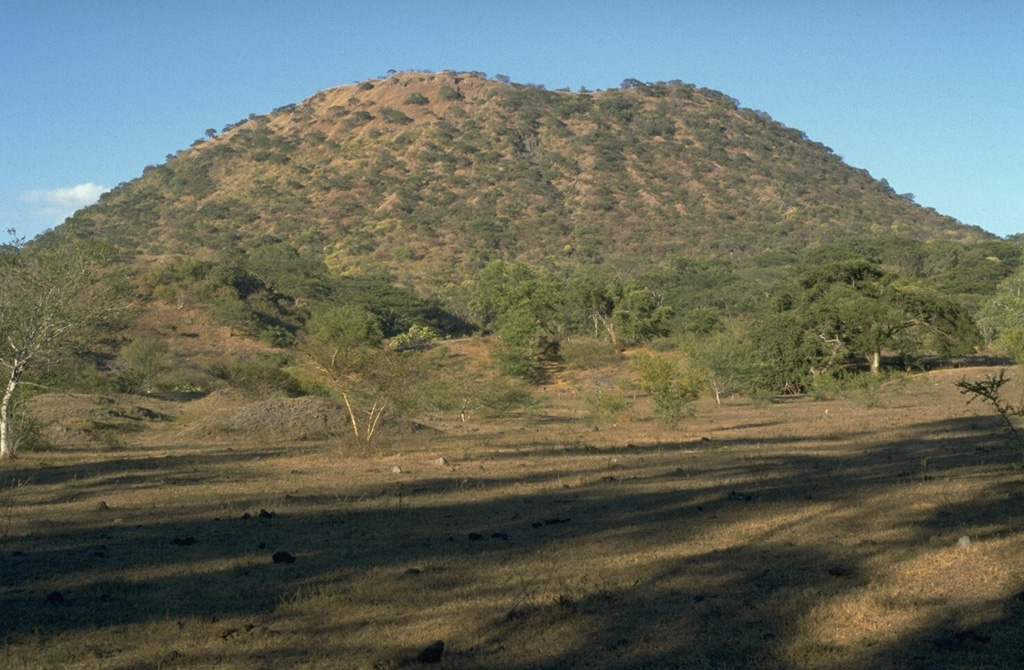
(53, 292)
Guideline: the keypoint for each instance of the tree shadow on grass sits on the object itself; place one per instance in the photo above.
(686, 559)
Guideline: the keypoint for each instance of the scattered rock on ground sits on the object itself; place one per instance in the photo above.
(432, 654)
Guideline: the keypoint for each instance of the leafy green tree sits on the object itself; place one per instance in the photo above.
(627, 312)
(144, 359)
(638, 315)
(1003, 313)
(784, 354)
(283, 271)
(671, 389)
(857, 308)
(345, 344)
(589, 299)
(502, 288)
(725, 361)
(523, 306)
(518, 345)
(392, 115)
(53, 294)
(417, 99)
(233, 312)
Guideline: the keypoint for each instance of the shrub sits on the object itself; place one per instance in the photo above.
(143, 360)
(990, 390)
(394, 116)
(418, 337)
(448, 93)
(358, 118)
(584, 353)
(670, 388)
(257, 378)
(1011, 341)
(26, 431)
(276, 336)
(417, 99)
(604, 406)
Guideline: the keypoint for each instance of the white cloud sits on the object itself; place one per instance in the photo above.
(60, 203)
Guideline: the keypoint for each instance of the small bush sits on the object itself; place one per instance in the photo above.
(278, 359)
(276, 336)
(663, 344)
(26, 432)
(448, 93)
(587, 353)
(257, 378)
(864, 390)
(358, 118)
(143, 360)
(671, 389)
(394, 116)
(502, 395)
(825, 387)
(417, 99)
(990, 390)
(604, 406)
(418, 337)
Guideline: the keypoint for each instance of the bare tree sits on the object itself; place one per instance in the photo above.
(53, 291)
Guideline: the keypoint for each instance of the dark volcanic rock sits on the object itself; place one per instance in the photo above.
(432, 654)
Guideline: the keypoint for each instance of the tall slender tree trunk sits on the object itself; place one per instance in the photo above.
(6, 439)
(875, 361)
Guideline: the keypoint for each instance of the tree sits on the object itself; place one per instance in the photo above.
(522, 305)
(629, 312)
(724, 360)
(144, 360)
(345, 344)
(855, 308)
(639, 315)
(54, 291)
(671, 389)
(1001, 317)
(285, 272)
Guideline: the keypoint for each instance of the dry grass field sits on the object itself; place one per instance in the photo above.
(797, 534)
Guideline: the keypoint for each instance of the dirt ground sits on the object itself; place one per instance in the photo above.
(229, 533)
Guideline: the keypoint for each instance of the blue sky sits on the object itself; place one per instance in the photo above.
(926, 94)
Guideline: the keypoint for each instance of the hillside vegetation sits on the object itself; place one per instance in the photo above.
(344, 237)
(432, 176)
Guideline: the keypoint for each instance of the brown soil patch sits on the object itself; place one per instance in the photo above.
(792, 535)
